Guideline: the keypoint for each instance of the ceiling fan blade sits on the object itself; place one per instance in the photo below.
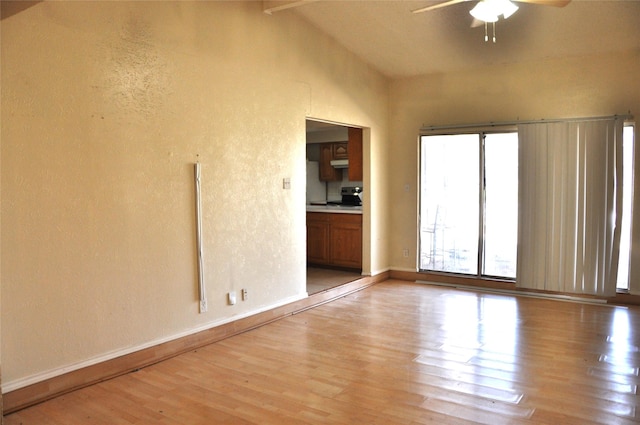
(439, 5)
(554, 3)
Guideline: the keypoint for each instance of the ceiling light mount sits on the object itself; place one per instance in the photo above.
(490, 10)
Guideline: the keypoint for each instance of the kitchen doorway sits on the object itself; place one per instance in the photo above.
(333, 203)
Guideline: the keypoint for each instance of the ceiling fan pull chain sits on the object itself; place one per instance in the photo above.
(486, 37)
(494, 32)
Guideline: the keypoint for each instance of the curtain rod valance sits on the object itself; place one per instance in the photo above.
(514, 123)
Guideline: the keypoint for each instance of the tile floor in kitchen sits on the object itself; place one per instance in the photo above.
(320, 279)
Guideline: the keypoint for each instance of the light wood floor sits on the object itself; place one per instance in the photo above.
(395, 353)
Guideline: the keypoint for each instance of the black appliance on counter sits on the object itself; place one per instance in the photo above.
(351, 195)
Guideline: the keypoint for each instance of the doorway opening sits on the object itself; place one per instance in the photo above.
(334, 192)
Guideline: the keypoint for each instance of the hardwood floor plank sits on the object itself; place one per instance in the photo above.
(394, 353)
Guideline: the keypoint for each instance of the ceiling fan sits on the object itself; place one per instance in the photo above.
(555, 3)
(489, 11)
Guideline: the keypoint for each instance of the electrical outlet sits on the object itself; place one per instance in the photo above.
(203, 306)
(405, 253)
(231, 297)
(245, 294)
(286, 183)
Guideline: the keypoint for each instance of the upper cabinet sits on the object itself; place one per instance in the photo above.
(336, 143)
(354, 153)
(327, 172)
(340, 151)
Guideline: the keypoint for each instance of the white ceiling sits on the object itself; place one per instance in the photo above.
(399, 43)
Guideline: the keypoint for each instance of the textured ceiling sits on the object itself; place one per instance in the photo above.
(401, 44)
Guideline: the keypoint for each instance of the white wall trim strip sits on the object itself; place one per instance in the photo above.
(201, 286)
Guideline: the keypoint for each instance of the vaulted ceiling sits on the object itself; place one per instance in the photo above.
(399, 43)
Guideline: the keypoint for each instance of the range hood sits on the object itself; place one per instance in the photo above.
(340, 163)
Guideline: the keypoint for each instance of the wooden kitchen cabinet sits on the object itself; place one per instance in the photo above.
(334, 239)
(317, 238)
(340, 150)
(345, 240)
(350, 150)
(327, 172)
(355, 154)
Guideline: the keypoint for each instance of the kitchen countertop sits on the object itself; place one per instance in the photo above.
(338, 209)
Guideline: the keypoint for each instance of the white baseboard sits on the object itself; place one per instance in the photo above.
(16, 384)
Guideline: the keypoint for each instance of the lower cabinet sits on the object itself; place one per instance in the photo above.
(334, 239)
(317, 240)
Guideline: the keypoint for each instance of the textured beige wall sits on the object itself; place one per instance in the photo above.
(560, 88)
(105, 107)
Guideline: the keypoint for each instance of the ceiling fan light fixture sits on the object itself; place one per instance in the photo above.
(484, 12)
(508, 8)
(490, 10)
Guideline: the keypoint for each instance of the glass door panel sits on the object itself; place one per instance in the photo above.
(449, 203)
(500, 205)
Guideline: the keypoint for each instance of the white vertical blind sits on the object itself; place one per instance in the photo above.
(570, 206)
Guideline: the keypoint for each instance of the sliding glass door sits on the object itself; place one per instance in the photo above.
(468, 204)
